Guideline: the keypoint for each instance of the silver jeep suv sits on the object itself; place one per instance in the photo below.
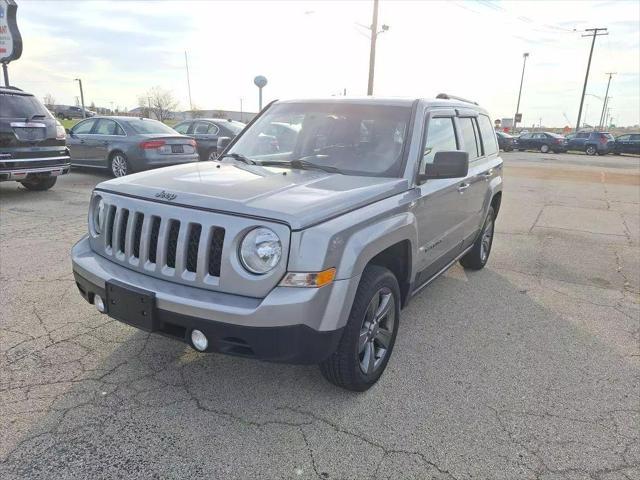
(301, 249)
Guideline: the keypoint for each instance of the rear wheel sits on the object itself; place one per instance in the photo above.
(590, 150)
(367, 342)
(119, 165)
(544, 148)
(39, 183)
(477, 257)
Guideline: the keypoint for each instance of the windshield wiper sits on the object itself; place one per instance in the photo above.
(302, 165)
(239, 157)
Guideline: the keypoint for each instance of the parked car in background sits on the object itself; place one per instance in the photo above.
(592, 143)
(628, 143)
(128, 144)
(32, 141)
(506, 142)
(206, 131)
(542, 141)
(70, 113)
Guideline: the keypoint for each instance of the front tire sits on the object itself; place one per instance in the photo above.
(119, 165)
(212, 155)
(478, 256)
(370, 334)
(39, 183)
(544, 148)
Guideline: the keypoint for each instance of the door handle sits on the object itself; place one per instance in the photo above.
(463, 186)
(105, 143)
(81, 141)
(487, 175)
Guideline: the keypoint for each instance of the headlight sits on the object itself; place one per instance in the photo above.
(260, 250)
(99, 212)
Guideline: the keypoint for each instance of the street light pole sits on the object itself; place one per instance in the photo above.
(524, 64)
(594, 34)
(84, 114)
(604, 105)
(186, 65)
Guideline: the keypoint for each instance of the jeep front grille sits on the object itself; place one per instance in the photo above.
(172, 246)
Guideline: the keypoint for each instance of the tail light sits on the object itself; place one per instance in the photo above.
(151, 144)
(191, 142)
(61, 134)
(558, 140)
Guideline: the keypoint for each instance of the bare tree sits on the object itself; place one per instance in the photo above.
(49, 100)
(196, 112)
(161, 102)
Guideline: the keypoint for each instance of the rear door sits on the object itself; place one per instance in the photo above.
(105, 133)
(633, 145)
(77, 141)
(440, 209)
(206, 135)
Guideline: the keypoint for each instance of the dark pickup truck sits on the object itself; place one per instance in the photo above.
(32, 141)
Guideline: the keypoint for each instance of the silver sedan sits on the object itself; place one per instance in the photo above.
(128, 144)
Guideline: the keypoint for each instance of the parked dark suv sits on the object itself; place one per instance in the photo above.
(206, 131)
(542, 141)
(32, 142)
(591, 143)
(506, 142)
(74, 112)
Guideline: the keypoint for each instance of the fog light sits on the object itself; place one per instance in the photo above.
(199, 340)
(99, 303)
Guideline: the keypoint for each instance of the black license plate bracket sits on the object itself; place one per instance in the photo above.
(132, 305)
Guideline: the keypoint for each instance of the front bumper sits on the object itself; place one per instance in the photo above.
(292, 325)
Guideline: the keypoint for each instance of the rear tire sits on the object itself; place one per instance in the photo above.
(370, 334)
(39, 183)
(119, 165)
(478, 256)
(590, 150)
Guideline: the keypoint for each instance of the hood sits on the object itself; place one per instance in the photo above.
(299, 198)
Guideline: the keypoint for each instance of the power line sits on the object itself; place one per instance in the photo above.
(594, 33)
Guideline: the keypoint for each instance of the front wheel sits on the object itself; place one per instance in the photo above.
(544, 148)
(368, 338)
(39, 183)
(212, 155)
(477, 257)
(119, 165)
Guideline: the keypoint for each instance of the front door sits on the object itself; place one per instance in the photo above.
(440, 208)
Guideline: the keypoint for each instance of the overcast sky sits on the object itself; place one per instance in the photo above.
(310, 49)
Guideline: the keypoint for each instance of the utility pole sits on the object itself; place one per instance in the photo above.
(524, 64)
(606, 98)
(186, 64)
(372, 50)
(594, 33)
(84, 114)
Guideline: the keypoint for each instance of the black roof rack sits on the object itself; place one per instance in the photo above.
(446, 96)
(11, 88)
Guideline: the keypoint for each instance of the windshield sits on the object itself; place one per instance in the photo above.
(21, 106)
(356, 139)
(149, 126)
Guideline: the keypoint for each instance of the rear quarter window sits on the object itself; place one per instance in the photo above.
(488, 135)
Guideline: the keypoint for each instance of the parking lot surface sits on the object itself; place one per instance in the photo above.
(526, 369)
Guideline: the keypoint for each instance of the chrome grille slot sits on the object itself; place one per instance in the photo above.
(155, 234)
(137, 234)
(111, 216)
(122, 230)
(172, 243)
(195, 230)
(215, 251)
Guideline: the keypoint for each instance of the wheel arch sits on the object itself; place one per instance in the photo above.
(397, 258)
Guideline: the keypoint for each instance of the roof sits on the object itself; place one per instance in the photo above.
(123, 117)
(390, 101)
(14, 91)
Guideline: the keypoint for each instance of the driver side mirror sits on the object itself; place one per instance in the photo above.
(222, 144)
(68, 130)
(452, 164)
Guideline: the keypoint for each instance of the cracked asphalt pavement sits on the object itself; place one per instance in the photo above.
(528, 369)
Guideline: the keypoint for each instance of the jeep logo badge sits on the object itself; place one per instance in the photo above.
(166, 196)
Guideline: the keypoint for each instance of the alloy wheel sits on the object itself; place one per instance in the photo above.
(119, 166)
(376, 332)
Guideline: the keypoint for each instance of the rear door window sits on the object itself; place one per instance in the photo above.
(441, 137)
(470, 142)
(182, 128)
(106, 127)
